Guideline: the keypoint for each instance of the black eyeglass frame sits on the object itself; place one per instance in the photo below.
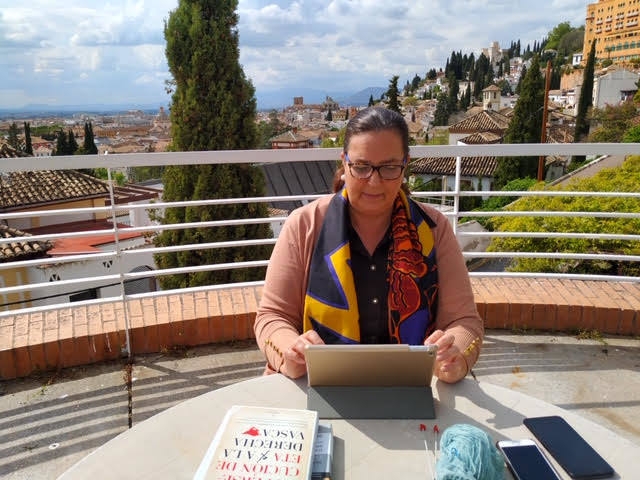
(377, 169)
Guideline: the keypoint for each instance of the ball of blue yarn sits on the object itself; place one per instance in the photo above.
(468, 453)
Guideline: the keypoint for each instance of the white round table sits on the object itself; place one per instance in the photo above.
(172, 443)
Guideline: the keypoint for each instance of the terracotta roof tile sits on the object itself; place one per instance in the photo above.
(481, 138)
(471, 166)
(20, 189)
(289, 137)
(485, 121)
(7, 151)
(560, 134)
(10, 252)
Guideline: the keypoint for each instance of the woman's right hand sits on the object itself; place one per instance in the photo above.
(294, 365)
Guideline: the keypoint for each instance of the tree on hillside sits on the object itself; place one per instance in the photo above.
(523, 74)
(584, 103)
(505, 87)
(213, 107)
(572, 42)
(28, 148)
(329, 116)
(441, 115)
(89, 145)
(612, 122)
(557, 33)
(270, 129)
(525, 127)
(415, 82)
(432, 74)
(392, 94)
(621, 179)
(14, 140)
(454, 89)
(61, 144)
(467, 97)
(72, 145)
(586, 96)
(371, 102)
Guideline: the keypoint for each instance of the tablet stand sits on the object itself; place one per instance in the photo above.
(371, 402)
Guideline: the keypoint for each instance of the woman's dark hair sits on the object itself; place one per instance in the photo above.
(373, 119)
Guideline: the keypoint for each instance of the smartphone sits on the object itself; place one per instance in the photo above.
(526, 461)
(569, 449)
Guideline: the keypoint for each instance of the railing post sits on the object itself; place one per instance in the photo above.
(444, 189)
(456, 195)
(125, 305)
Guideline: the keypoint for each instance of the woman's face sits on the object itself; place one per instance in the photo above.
(373, 196)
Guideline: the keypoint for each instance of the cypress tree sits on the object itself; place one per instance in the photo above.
(28, 148)
(586, 100)
(392, 94)
(14, 140)
(454, 89)
(441, 115)
(371, 102)
(525, 127)
(72, 145)
(89, 146)
(523, 74)
(329, 116)
(61, 144)
(586, 96)
(213, 107)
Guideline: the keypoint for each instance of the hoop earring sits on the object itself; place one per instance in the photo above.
(342, 177)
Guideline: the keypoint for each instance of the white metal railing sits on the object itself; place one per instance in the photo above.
(117, 254)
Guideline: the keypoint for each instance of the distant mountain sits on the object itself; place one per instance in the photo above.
(278, 99)
(64, 110)
(281, 98)
(361, 98)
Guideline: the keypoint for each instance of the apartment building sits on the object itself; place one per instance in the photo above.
(614, 26)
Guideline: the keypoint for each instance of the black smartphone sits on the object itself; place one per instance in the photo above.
(569, 449)
(526, 461)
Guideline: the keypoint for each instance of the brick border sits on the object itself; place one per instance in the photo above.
(81, 335)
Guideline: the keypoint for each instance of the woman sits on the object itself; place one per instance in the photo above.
(368, 265)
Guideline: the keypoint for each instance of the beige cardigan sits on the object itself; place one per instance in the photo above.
(279, 317)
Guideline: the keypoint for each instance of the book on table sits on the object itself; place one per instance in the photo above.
(261, 442)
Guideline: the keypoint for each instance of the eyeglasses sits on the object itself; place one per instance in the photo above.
(363, 171)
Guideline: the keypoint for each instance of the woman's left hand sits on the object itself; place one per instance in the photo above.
(450, 364)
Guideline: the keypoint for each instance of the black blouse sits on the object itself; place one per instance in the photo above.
(372, 288)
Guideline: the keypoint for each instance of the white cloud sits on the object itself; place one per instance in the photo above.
(325, 44)
(150, 56)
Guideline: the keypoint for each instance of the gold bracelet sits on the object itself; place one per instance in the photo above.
(471, 347)
(275, 348)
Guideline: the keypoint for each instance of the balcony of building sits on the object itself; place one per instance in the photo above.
(43, 331)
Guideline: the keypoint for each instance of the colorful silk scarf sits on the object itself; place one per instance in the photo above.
(331, 304)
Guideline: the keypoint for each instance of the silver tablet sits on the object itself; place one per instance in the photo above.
(372, 365)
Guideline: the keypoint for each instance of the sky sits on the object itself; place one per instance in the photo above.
(79, 52)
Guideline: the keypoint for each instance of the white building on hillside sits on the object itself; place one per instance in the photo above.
(615, 87)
